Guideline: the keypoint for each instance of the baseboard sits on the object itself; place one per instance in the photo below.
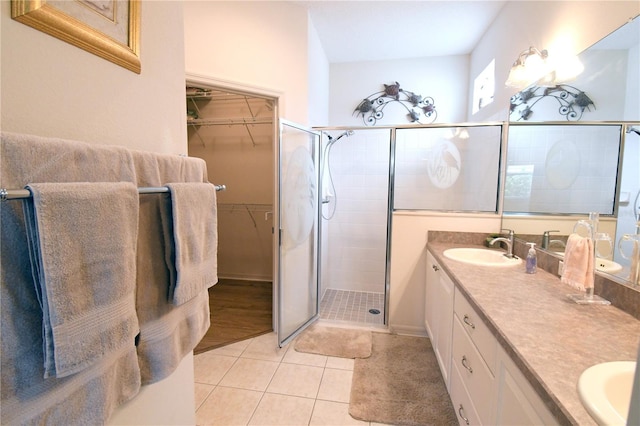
(408, 330)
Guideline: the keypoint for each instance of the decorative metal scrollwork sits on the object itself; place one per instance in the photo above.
(420, 109)
(573, 102)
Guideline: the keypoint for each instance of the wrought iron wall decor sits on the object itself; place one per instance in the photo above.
(420, 109)
(572, 101)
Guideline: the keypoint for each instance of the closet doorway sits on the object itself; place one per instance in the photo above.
(234, 132)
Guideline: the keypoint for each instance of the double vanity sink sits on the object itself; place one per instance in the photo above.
(603, 389)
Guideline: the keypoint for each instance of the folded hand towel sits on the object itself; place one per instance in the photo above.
(193, 237)
(578, 262)
(82, 238)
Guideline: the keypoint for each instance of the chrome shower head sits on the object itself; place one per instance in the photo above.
(345, 133)
(633, 129)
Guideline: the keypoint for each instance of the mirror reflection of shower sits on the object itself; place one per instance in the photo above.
(636, 202)
(633, 129)
(329, 196)
(628, 219)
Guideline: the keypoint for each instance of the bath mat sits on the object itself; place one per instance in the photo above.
(334, 341)
(400, 384)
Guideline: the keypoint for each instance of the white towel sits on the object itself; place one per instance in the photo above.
(89, 396)
(82, 238)
(578, 263)
(193, 254)
(167, 332)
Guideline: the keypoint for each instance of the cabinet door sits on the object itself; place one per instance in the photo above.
(444, 314)
(518, 403)
(432, 278)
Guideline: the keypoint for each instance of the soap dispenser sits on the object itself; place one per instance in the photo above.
(532, 260)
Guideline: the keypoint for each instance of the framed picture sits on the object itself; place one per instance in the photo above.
(107, 28)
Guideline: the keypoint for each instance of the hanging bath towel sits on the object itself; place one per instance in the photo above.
(82, 241)
(192, 255)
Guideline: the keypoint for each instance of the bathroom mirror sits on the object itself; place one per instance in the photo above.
(610, 81)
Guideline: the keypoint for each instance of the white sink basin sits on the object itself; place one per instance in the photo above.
(608, 266)
(605, 391)
(602, 265)
(481, 257)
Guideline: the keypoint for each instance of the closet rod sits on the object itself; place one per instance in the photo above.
(228, 122)
(14, 194)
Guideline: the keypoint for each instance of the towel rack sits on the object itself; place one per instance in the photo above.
(14, 194)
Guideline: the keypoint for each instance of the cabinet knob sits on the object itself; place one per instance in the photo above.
(435, 267)
(466, 365)
(468, 322)
(461, 413)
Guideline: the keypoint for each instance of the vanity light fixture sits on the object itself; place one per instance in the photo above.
(530, 66)
(537, 66)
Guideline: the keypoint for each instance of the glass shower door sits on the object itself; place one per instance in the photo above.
(298, 219)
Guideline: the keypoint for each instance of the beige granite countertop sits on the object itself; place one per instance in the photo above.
(550, 338)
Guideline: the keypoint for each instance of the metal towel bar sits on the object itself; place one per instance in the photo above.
(14, 194)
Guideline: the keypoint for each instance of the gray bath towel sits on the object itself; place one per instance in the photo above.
(91, 395)
(167, 332)
(193, 249)
(83, 244)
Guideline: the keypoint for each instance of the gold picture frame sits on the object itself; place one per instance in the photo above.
(76, 27)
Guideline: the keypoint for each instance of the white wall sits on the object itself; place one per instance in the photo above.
(408, 261)
(262, 44)
(51, 88)
(569, 26)
(442, 78)
(318, 81)
(632, 100)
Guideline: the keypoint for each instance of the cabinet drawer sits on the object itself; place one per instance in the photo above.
(476, 376)
(465, 411)
(476, 330)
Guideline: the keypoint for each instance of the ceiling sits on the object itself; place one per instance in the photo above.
(355, 31)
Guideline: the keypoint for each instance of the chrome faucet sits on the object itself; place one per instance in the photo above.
(507, 241)
(545, 239)
(546, 242)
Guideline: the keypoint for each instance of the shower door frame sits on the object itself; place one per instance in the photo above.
(280, 251)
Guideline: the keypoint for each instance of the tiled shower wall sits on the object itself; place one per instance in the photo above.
(355, 238)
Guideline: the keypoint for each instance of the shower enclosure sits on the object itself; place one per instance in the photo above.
(354, 225)
(434, 167)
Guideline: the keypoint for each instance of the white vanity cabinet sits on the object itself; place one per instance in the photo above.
(485, 385)
(517, 402)
(438, 313)
(473, 362)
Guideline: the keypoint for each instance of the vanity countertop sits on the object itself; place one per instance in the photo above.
(550, 338)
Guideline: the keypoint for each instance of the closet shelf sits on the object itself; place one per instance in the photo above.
(228, 121)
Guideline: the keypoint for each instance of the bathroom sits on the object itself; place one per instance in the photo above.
(93, 114)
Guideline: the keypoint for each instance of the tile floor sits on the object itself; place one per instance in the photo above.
(253, 382)
(352, 306)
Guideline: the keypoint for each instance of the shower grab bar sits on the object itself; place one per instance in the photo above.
(15, 194)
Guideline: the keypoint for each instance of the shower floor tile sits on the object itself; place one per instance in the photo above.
(352, 306)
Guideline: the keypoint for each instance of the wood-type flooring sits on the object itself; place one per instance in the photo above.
(239, 310)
